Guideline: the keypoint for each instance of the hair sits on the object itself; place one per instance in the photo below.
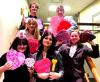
(75, 31)
(36, 30)
(51, 50)
(36, 4)
(61, 6)
(17, 41)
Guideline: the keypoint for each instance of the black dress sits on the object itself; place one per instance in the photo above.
(20, 74)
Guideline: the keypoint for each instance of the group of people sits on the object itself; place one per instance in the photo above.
(38, 44)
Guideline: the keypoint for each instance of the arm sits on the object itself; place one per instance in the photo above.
(94, 52)
(4, 65)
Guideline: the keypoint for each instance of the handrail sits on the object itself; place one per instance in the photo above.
(93, 69)
(86, 77)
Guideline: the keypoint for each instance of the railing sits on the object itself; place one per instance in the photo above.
(93, 69)
(86, 77)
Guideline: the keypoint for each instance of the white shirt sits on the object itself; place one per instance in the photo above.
(72, 50)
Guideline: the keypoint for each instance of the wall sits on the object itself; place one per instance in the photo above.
(10, 19)
(86, 16)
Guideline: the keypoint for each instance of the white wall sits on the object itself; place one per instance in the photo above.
(10, 18)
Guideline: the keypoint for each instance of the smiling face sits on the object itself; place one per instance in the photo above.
(21, 48)
(31, 25)
(47, 41)
(74, 37)
(34, 9)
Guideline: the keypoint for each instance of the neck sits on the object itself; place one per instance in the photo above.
(61, 15)
(32, 14)
(45, 49)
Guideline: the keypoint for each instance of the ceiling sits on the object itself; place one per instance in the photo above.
(76, 7)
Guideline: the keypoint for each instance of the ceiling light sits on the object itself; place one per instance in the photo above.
(52, 8)
(48, 19)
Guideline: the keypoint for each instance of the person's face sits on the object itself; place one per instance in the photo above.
(74, 37)
(34, 9)
(60, 10)
(47, 41)
(32, 25)
(21, 48)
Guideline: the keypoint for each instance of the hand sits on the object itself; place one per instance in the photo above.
(54, 75)
(8, 66)
(43, 75)
(31, 70)
(91, 42)
(23, 21)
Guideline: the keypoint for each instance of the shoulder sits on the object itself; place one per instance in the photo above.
(3, 59)
(68, 17)
(64, 46)
(58, 55)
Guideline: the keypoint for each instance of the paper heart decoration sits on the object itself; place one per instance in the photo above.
(86, 35)
(42, 66)
(63, 25)
(63, 36)
(21, 34)
(16, 58)
(33, 45)
(54, 22)
(29, 62)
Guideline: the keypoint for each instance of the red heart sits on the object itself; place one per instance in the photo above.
(42, 66)
(63, 25)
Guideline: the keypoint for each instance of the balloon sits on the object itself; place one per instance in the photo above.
(17, 58)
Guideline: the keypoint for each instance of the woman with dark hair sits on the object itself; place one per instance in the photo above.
(19, 74)
(47, 50)
(73, 56)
